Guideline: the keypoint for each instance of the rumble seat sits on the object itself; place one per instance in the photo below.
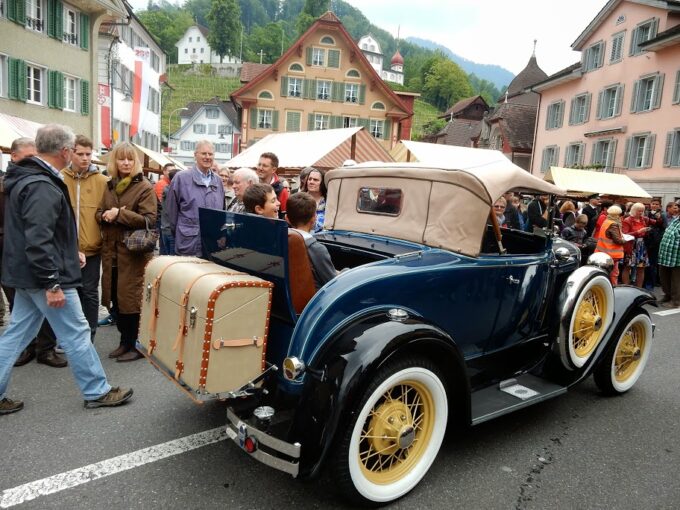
(300, 277)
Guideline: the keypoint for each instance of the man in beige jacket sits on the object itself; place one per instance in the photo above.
(86, 185)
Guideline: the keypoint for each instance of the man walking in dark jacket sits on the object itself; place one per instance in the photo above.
(41, 261)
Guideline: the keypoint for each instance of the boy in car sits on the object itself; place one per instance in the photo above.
(261, 199)
(301, 215)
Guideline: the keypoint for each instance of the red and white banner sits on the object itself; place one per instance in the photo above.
(104, 101)
(141, 89)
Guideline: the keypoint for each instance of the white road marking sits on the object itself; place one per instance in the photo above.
(75, 477)
(667, 312)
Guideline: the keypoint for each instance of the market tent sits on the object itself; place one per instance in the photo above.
(447, 156)
(12, 127)
(152, 161)
(588, 182)
(323, 149)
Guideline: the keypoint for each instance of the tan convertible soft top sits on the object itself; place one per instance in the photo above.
(441, 207)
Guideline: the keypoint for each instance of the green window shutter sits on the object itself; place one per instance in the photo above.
(310, 122)
(649, 151)
(364, 123)
(51, 89)
(362, 94)
(388, 129)
(633, 42)
(334, 58)
(599, 105)
(16, 11)
(336, 122)
(586, 116)
(619, 100)
(658, 91)
(253, 118)
(84, 97)
(292, 121)
(338, 92)
(275, 120)
(59, 97)
(58, 20)
(633, 99)
(669, 149)
(51, 22)
(309, 56)
(305, 88)
(676, 92)
(572, 112)
(84, 31)
(12, 81)
(17, 79)
(284, 86)
(626, 154)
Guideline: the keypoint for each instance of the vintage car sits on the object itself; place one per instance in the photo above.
(437, 316)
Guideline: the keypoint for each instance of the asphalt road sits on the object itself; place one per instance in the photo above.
(578, 451)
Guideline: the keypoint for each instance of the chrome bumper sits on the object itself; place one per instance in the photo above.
(288, 461)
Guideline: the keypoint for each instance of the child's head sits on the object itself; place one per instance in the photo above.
(300, 209)
(261, 199)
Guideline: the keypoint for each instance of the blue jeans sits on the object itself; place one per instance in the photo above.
(167, 244)
(71, 329)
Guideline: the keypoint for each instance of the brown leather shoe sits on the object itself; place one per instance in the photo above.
(122, 349)
(52, 359)
(115, 397)
(25, 357)
(131, 355)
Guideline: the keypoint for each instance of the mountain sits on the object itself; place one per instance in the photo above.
(495, 74)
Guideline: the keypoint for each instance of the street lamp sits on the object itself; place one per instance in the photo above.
(170, 119)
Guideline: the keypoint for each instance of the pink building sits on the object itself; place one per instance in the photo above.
(619, 108)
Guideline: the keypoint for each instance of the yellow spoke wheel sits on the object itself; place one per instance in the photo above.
(626, 360)
(394, 434)
(592, 314)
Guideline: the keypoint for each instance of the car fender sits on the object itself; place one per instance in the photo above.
(335, 379)
(566, 303)
(627, 301)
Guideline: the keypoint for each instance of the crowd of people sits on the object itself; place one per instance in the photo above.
(644, 241)
(67, 232)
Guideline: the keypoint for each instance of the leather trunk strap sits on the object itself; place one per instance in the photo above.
(238, 342)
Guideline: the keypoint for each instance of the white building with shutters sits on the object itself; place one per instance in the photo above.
(193, 48)
(119, 46)
(48, 60)
(618, 109)
(213, 120)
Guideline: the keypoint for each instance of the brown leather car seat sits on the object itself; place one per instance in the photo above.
(300, 277)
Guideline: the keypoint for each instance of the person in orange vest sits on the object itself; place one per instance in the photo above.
(610, 240)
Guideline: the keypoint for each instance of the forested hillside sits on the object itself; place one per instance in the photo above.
(266, 28)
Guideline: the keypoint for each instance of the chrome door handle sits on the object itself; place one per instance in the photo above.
(512, 281)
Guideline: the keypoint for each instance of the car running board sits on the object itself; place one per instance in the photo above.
(511, 395)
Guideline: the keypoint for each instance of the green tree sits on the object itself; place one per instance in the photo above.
(224, 21)
(312, 10)
(271, 40)
(445, 84)
(167, 25)
(199, 10)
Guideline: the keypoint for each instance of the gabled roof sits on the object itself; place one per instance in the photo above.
(460, 106)
(204, 30)
(578, 44)
(250, 70)
(194, 107)
(568, 73)
(326, 20)
(459, 132)
(517, 123)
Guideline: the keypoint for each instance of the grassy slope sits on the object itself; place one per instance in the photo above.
(202, 86)
(192, 87)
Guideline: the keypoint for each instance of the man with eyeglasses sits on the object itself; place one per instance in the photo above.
(42, 263)
(189, 190)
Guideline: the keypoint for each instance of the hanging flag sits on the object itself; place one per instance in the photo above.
(104, 101)
(140, 96)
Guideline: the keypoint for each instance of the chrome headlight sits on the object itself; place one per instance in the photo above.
(601, 260)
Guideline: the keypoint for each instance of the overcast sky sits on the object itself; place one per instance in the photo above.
(487, 31)
(490, 31)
